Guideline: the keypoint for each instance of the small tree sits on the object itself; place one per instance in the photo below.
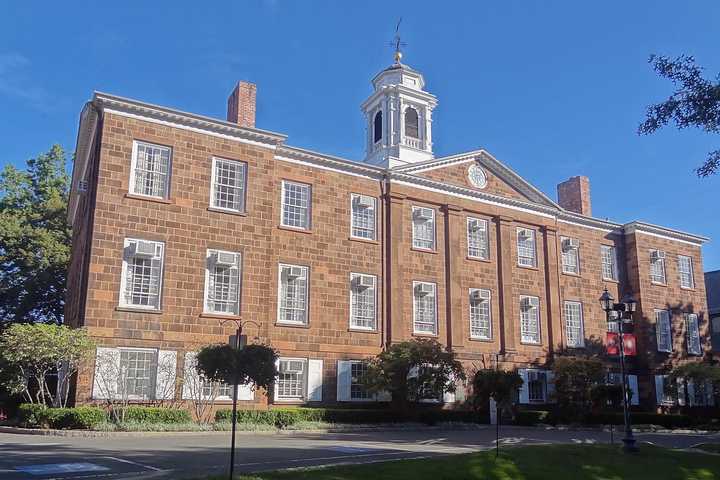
(413, 370)
(111, 383)
(499, 385)
(253, 364)
(701, 374)
(202, 392)
(575, 379)
(33, 352)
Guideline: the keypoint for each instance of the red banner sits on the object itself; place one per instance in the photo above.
(612, 344)
(629, 345)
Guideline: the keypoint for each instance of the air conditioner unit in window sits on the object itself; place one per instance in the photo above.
(295, 272)
(570, 244)
(479, 295)
(291, 366)
(82, 186)
(365, 201)
(529, 302)
(143, 249)
(364, 281)
(425, 288)
(534, 376)
(525, 234)
(224, 259)
(475, 225)
(657, 254)
(423, 213)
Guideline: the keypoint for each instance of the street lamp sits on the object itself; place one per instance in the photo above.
(623, 313)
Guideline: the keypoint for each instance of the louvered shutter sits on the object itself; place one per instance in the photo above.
(344, 373)
(314, 391)
(165, 375)
(524, 390)
(107, 370)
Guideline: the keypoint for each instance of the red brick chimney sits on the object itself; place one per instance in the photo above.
(241, 105)
(574, 195)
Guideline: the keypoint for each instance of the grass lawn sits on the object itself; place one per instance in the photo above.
(709, 447)
(555, 462)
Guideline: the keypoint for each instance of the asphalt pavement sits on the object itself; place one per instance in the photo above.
(182, 456)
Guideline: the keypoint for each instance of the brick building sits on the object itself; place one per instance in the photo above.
(182, 221)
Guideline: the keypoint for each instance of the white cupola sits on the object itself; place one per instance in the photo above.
(398, 117)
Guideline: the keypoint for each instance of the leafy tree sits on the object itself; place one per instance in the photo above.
(699, 373)
(32, 352)
(413, 370)
(575, 379)
(694, 103)
(253, 364)
(500, 385)
(34, 239)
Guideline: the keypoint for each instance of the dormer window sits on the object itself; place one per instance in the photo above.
(377, 127)
(411, 123)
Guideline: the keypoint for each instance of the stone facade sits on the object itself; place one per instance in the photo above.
(106, 213)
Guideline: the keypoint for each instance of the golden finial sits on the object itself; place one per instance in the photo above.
(397, 43)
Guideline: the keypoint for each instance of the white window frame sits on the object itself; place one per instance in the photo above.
(209, 270)
(308, 209)
(153, 371)
(664, 317)
(481, 243)
(692, 332)
(522, 245)
(243, 188)
(354, 288)
(524, 335)
(417, 241)
(569, 255)
(354, 210)
(613, 264)
(578, 331)
(661, 277)
(124, 275)
(303, 380)
(415, 295)
(368, 396)
(306, 315)
(133, 168)
(476, 315)
(687, 278)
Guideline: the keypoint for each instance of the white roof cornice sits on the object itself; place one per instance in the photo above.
(664, 232)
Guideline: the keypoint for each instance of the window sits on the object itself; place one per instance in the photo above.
(224, 391)
(657, 266)
(529, 319)
(693, 334)
(142, 274)
(227, 191)
(138, 371)
(411, 123)
(362, 218)
(377, 127)
(480, 323)
(222, 282)
(570, 255)
(477, 238)
(662, 395)
(291, 379)
(526, 247)
(423, 221)
(701, 394)
(663, 331)
(292, 304)
(295, 205)
(608, 255)
(357, 389)
(685, 268)
(537, 386)
(574, 325)
(424, 308)
(150, 170)
(362, 301)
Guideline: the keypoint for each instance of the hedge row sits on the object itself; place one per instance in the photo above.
(534, 417)
(283, 417)
(33, 415)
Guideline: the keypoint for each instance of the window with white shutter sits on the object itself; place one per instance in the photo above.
(477, 238)
(293, 294)
(363, 298)
(423, 228)
(657, 266)
(526, 247)
(292, 379)
(529, 319)
(296, 204)
(358, 392)
(222, 282)
(480, 319)
(692, 330)
(570, 255)
(608, 255)
(574, 336)
(685, 269)
(150, 170)
(537, 386)
(362, 217)
(227, 190)
(424, 308)
(663, 330)
(138, 371)
(141, 281)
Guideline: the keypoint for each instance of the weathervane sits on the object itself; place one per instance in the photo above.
(397, 43)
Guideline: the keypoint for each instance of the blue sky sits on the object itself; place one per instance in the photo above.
(553, 89)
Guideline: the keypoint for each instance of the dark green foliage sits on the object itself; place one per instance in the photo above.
(155, 415)
(575, 379)
(499, 385)
(532, 417)
(697, 372)
(694, 103)
(252, 364)
(39, 416)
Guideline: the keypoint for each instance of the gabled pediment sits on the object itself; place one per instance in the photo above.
(499, 179)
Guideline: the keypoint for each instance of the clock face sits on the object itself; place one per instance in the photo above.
(477, 176)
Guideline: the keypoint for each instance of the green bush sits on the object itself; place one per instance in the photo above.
(532, 417)
(31, 415)
(39, 416)
(155, 415)
(666, 420)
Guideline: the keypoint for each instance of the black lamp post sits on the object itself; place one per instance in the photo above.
(623, 314)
